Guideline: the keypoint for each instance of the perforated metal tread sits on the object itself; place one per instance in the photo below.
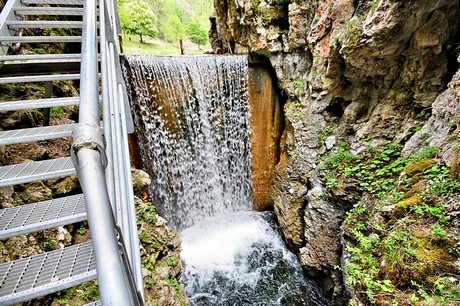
(39, 103)
(33, 24)
(39, 39)
(56, 11)
(34, 217)
(40, 57)
(40, 78)
(38, 275)
(53, 2)
(36, 171)
(36, 134)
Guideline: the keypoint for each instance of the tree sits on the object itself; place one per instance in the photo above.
(138, 18)
(173, 29)
(197, 33)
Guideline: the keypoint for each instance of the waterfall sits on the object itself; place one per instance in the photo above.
(191, 118)
(194, 114)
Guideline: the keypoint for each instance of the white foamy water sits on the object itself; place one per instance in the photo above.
(240, 259)
(215, 243)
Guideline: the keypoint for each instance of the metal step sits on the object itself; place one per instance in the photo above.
(33, 24)
(34, 217)
(39, 103)
(55, 11)
(95, 303)
(39, 39)
(36, 171)
(40, 78)
(32, 58)
(24, 279)
(36, 134)
(53, 2)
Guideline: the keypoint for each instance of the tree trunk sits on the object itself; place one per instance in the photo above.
(181, 45)
(141, 39)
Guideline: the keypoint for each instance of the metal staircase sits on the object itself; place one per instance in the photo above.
(98, 156)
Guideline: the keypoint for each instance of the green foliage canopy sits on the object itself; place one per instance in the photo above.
(197, 33)
(138, 18)
(173, 29)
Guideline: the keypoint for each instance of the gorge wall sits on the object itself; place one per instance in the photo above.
(359, 72)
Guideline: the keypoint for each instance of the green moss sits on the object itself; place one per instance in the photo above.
(419, 166)
(403, 206)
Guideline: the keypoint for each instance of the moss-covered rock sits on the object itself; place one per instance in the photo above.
(404, 206)
(420, 166)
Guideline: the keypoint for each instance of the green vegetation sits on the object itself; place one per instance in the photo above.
(173, 29)
(80, 295)
(138, 18)
(166, 20)
(147, 213)
(398, 233)
(82, 230)
(132, 45)
(325, 133)
(197, 33)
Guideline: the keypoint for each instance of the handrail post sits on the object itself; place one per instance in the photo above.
(88, 151)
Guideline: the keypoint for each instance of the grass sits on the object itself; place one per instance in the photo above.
(132, 45)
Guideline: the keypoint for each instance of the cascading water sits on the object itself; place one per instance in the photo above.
(193, 114)
(191, 117)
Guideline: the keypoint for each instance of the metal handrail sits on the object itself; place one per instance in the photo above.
(103, 171)
(116, 131)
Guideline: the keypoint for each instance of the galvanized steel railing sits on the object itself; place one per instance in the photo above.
(103, 163)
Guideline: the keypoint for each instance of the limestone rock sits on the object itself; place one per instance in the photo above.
(35, 192)
(443, 121)
(67, 185)
(6, 196)
(141, 181)
(366, 68)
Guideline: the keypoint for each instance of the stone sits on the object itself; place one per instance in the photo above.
(146, 273)
(266, 130)
(6, 197)
(67, 185)
(141, 182)
(35, 192)
(330, 142)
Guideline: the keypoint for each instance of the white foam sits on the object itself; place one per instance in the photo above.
(222, 245)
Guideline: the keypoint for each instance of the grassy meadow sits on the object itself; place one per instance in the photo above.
(132, 45)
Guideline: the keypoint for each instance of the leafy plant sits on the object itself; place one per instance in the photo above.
(82, 230)
(396, 251)
(438, 231)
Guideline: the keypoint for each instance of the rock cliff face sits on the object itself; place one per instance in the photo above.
(357, 71)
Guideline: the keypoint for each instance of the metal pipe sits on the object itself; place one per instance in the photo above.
(109, 171)
(135, 248)
(113, 283)
(89, 94)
